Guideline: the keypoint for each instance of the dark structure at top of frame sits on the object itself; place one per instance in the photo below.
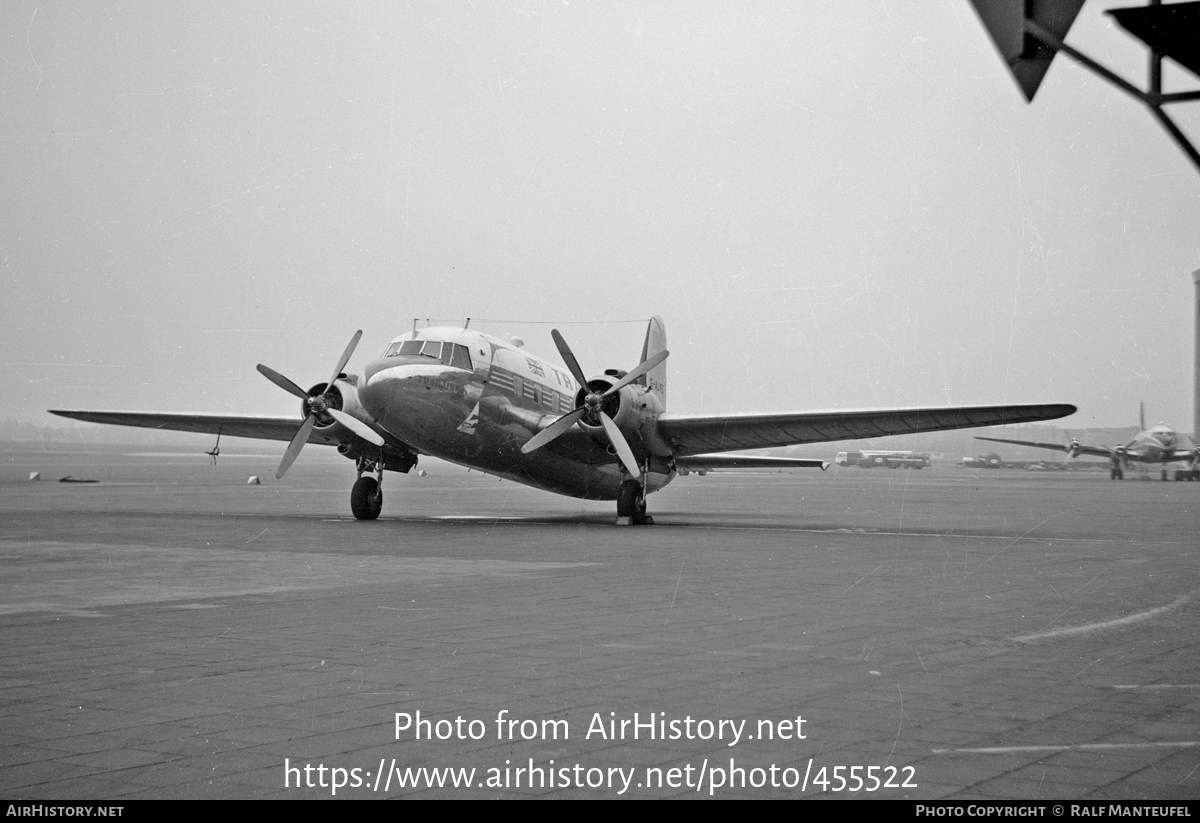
(1029, 33)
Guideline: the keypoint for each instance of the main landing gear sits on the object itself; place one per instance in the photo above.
(366, 498)
(631, 505)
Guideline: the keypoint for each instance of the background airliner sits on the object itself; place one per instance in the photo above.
(487, 404)
(1158, 445)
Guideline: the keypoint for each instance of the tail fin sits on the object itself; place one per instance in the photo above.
(656, 341)
(1142, 416)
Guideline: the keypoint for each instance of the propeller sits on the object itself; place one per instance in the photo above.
(1074, 449)
(318, 406)
(592, 410)
(1119, 456)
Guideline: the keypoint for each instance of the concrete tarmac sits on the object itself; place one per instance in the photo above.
(170, 632)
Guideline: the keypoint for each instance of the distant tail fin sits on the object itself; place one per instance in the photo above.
(656, 341)
(1142, 416)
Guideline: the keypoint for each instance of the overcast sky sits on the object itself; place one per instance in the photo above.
(832, 205)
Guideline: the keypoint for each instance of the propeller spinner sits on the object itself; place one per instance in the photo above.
(592, 410)
(318, 406)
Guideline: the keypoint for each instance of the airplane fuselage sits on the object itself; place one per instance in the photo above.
(1155, 445)
(473, 399)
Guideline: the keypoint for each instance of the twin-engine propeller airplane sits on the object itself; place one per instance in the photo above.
(1157, 445)
(484, 403)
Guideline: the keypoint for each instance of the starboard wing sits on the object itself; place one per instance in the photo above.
(690, 434)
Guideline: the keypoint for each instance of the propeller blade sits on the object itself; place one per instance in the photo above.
(619, 444)
(618, 441)
(282, 382)
(357, 426)
(293, 449)
(552, 431)
(645, 366)
(345, 359)
(572, 364)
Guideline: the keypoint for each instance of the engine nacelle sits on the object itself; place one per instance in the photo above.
(1074, 449)
(617, 406)
(633, 408)
(343, 396)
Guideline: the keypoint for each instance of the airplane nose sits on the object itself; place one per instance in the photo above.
(373, 369)
(381, 380)
(387, 385)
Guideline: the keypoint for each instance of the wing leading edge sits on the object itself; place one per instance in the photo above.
(1094, 451)
(256, 427)
(691, 434)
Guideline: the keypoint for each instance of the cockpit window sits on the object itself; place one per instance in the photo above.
(404, 347)
(461, 358)
(452, 354)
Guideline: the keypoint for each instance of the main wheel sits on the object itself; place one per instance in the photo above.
(366, 498)
(631, 503)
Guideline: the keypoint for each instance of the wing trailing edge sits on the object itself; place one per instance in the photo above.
(701, 462)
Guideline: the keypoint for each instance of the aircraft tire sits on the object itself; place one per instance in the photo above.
(366, 499)
(631, 503)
